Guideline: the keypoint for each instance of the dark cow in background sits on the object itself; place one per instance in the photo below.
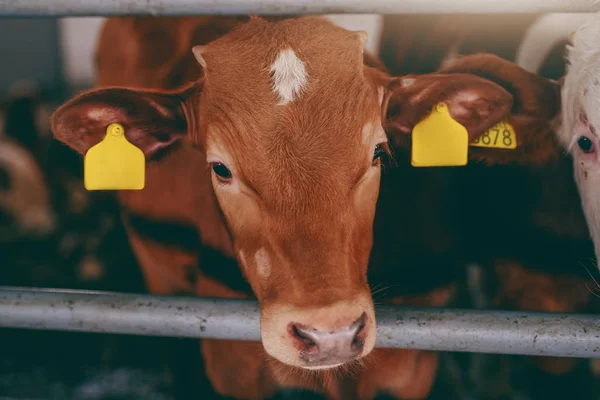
(48, 220)
(74, 240)
(527, 230)
(527, 233)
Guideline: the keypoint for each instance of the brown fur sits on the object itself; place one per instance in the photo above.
(171, 127)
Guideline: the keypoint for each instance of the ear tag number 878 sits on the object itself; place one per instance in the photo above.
(500, 136)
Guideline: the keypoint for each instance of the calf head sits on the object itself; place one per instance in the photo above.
(289, 121)
(580, 125)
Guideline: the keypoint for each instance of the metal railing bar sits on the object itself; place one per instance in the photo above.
(73, 8)
(479, 331)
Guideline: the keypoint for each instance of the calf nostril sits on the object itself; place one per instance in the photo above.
(358, 340)
(303, 337)
(329, 346)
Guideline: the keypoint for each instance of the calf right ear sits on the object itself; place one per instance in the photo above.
(154, 121)
(476, 103)
(536, 105)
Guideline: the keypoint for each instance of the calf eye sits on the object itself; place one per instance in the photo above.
(585, 144)
(379, 151)
(381, 154)
(223, 173)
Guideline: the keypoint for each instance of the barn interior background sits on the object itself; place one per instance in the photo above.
(55, 234)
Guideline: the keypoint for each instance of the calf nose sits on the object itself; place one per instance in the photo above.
(325, 348)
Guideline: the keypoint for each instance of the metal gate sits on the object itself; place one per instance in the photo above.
(500, 332)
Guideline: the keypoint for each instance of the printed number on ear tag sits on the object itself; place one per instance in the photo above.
(439, 140)
(114, 163)
(500, 136)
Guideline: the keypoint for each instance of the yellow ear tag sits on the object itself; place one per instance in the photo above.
(114, 163)
(500, 136)
(439, 140)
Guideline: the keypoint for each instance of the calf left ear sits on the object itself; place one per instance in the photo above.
(154, 121)
(476, 103)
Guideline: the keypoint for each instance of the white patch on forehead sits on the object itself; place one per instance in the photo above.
(263, 262)
(289, 76)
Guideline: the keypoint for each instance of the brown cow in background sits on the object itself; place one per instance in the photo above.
(538, 255)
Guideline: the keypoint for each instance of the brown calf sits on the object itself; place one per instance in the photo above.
(271, 157)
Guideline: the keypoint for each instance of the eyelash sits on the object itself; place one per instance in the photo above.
(585, 142)
(381, 150)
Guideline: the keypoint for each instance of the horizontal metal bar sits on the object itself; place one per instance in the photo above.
(498, 332)
(72, 8)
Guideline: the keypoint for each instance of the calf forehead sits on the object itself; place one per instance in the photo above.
(293, 99)
(262, 65)
(259, 42)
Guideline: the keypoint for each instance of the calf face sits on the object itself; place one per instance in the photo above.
(289, 122)
(580, 128)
